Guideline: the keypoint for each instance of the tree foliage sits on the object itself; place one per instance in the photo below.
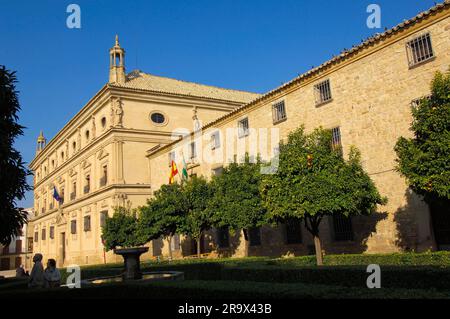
(425, 159)
(13, 173)
(196, 193)
(313, 180)
(163, 215)
(237, 200)
(122, 230)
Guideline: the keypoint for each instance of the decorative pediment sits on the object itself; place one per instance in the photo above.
(72, 172)
(102, 154)
(85, 164)
(61, 219)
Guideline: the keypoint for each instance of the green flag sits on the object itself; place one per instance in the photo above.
(184, 171)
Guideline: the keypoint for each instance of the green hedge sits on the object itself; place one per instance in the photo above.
(223, 290)
(399, 259)
(409, 270)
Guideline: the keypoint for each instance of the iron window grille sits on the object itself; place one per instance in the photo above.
(279, 112)
(254, 234)
(336, 141)
(215, 140)
(243, 128)
(223, 237)
(293, 232)
(419, 50)
(323, 92)
(343, 229)
(193, 151)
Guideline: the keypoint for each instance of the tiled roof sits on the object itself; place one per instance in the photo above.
(142, 81)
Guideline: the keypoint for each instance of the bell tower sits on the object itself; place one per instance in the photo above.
(41, 142)
(117, 63)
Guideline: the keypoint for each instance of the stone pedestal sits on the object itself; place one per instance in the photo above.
(131, 257)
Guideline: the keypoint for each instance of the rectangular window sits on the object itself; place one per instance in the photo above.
(336, 141)
(175, 244)
(223, 237)
(103, 216)
(215, 140)
(5, 250)
(322, 92)
(342, 226)
(254, 235)
(171, 158)
(87, 223)
(43, 234)
(73, 227)
(293, 232)
(62, 196)
(18, 246)
(279, 112)
(30, 244)
(193, 151)
(52, 232)
(73, 195)
(243, 128)
(419, 50)
(217, 171)
(36, 236)
(104, 178)
(87, 186)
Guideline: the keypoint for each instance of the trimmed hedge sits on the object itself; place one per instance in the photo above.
(223, 290)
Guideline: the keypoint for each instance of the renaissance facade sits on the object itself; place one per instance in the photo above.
(116, 150)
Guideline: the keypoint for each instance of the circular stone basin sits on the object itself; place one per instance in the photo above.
(146, 277)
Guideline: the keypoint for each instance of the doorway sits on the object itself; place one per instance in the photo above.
(440, 215)
(63, 248)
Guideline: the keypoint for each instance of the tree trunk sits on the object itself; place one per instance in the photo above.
(247, 244)
(169, 241)
(318, 246)
(199, 246)
(313, 228)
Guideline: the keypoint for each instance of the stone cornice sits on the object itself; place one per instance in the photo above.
(173, 99)
(96, 193)
(110, 136)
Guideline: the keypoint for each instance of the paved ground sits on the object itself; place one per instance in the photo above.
(8, 273)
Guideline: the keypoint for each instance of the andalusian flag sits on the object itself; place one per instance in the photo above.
(173, 172)
(184, 172)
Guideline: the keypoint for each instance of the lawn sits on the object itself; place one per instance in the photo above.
(406, 275)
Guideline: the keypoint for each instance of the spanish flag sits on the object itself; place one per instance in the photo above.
(173, 172)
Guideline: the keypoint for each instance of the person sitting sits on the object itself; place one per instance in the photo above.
(20, 272)
(52, 275)
(37, 273)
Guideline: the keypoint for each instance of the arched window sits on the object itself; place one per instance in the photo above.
(103, 122)
(87, 135)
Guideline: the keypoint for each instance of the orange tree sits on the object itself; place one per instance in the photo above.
(313, 180)
(425, 159)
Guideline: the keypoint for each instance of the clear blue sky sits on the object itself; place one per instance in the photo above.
(248, 45)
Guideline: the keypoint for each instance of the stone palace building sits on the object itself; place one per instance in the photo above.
(117, 148)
